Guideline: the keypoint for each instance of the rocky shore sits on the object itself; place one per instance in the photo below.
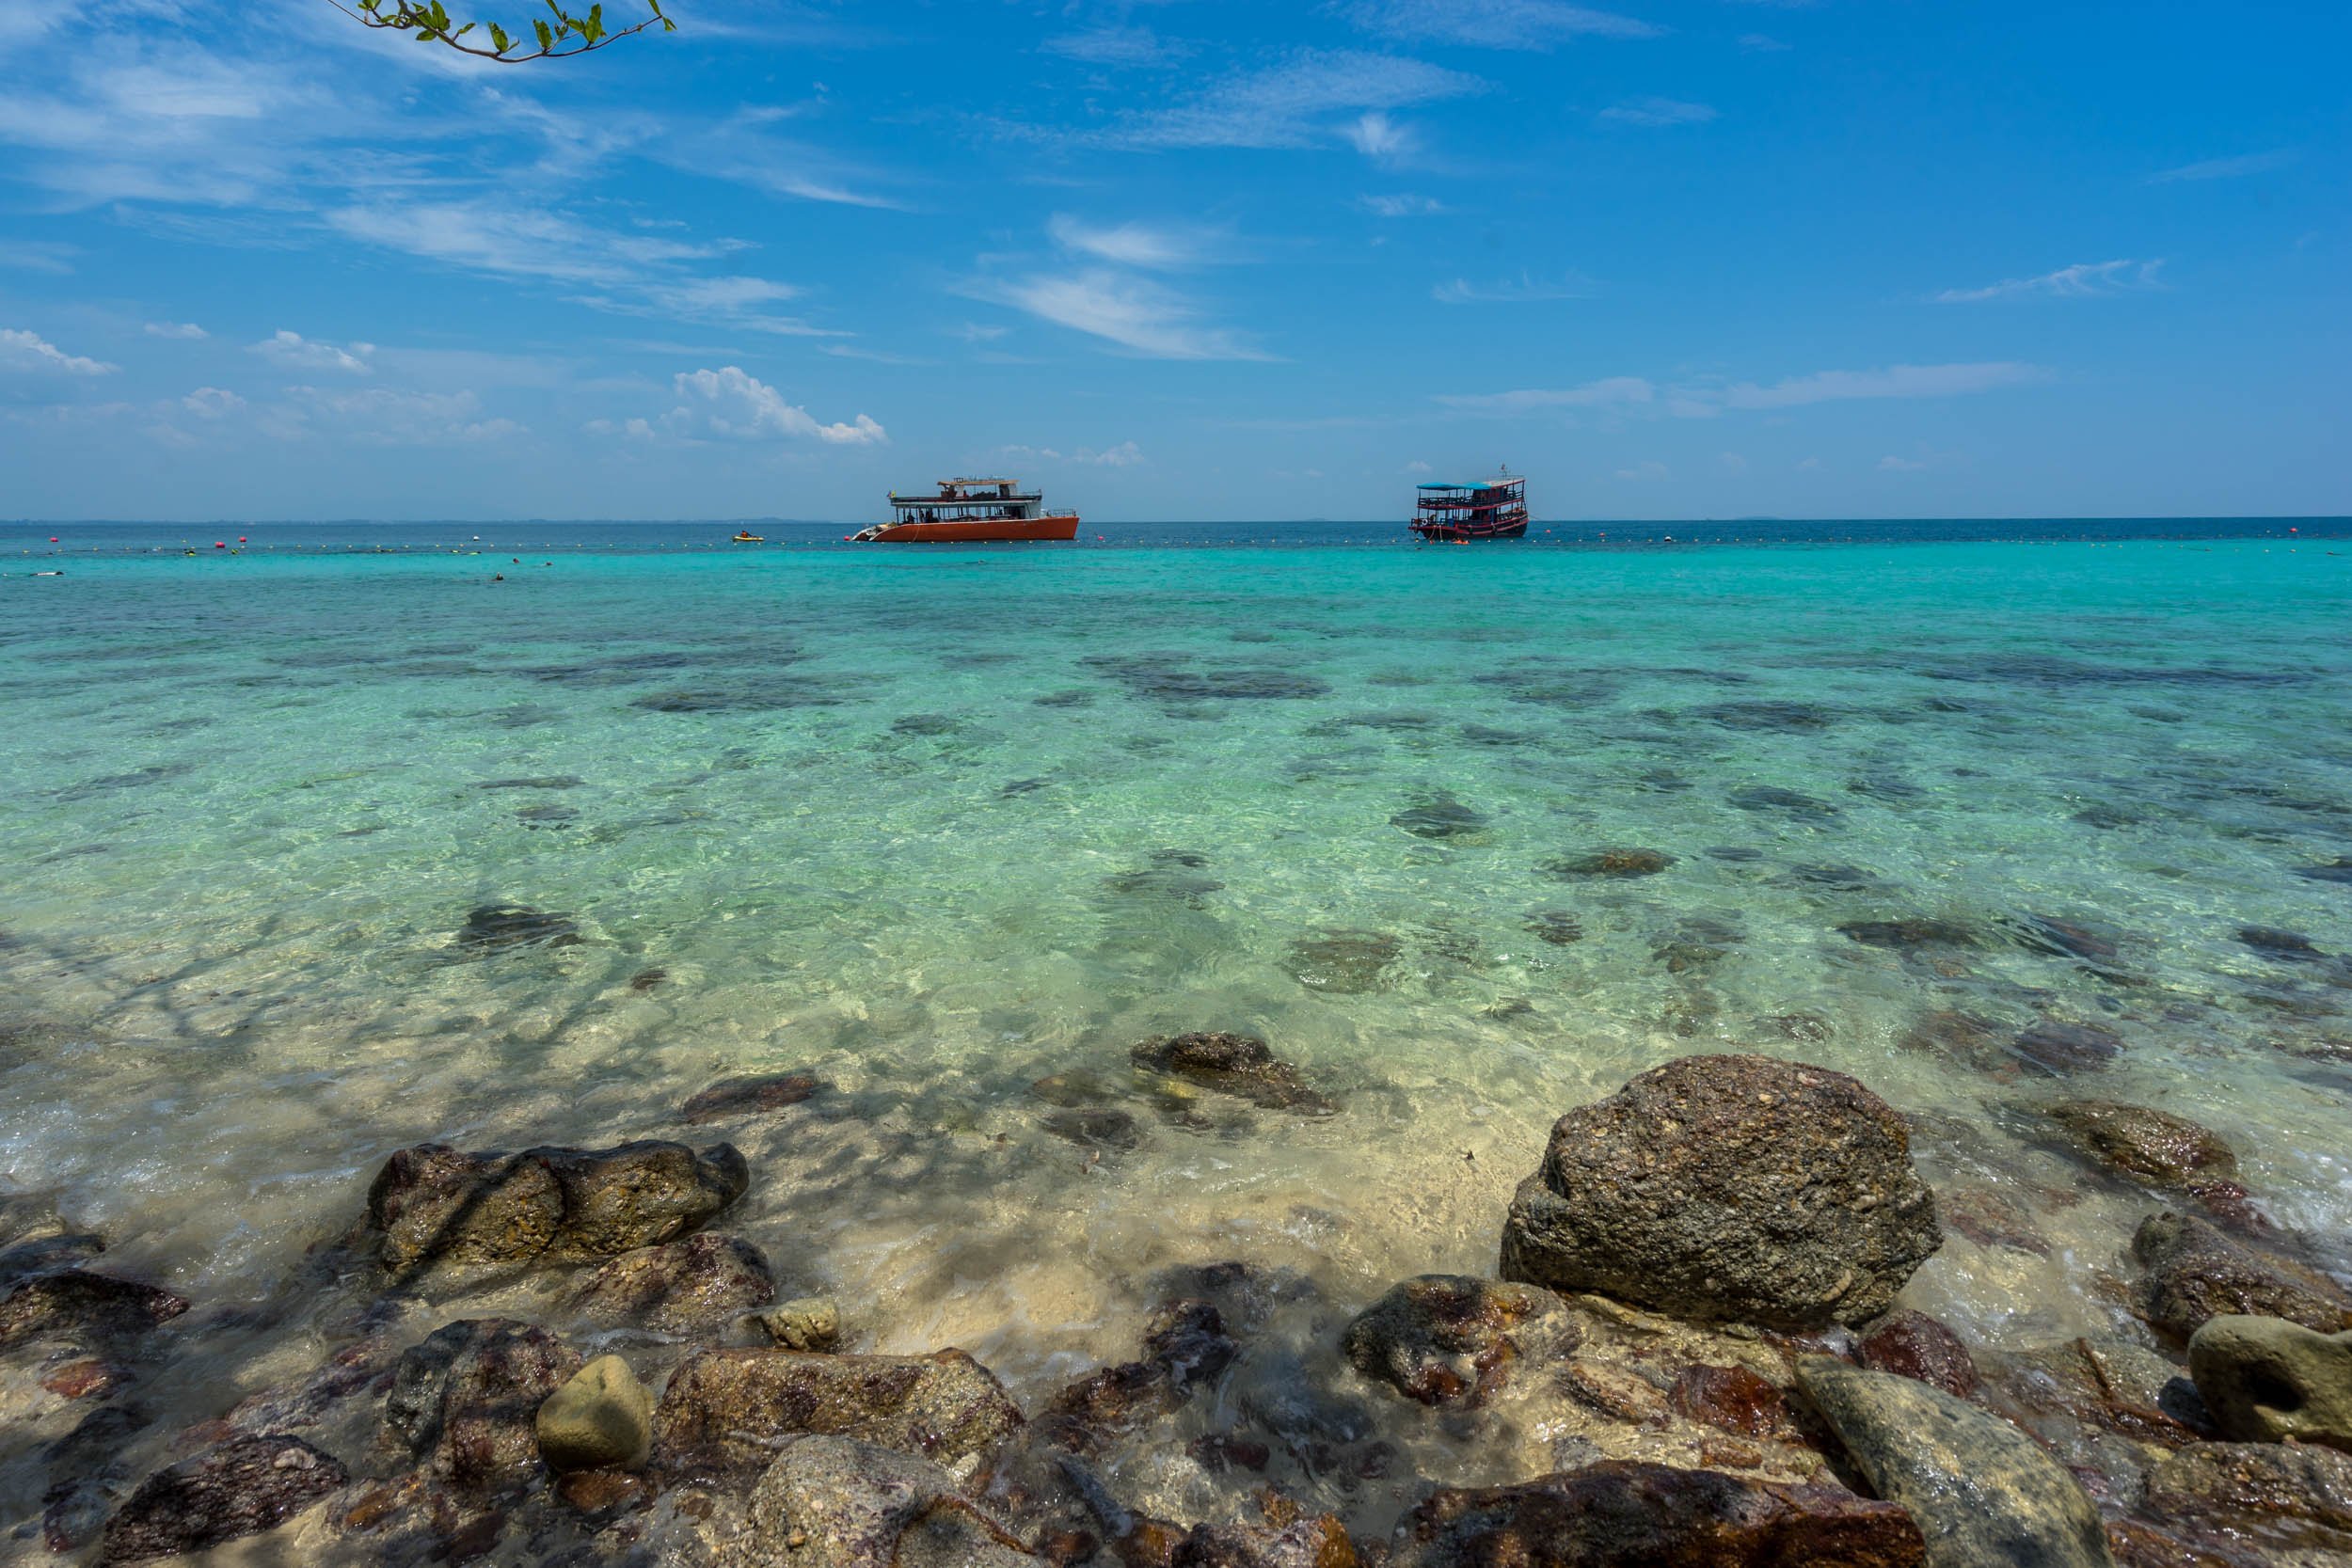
(1695, 1348)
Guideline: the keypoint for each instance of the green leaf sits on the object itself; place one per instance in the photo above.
(547, 39)
(498, 38)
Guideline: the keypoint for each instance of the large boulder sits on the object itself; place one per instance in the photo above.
(1449, 1339)
(1984, 1493)
(1729, 1187)
(434, 1205)
(2266, 1379)
(1623, 1514)
(240, 1488)
(465, 1403)
(679, 1287)
(725, 1409)
(834, 1502)
(2195, 1273)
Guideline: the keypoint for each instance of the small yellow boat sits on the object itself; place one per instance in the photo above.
(745, 536)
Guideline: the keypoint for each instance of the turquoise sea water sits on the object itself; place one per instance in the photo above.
(933, 825)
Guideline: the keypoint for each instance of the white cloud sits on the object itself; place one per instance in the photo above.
(182, 331)
(295, 351)
(2226, 168)
(211, 403)
(1495, 24)
(730, 403)
(1401, 206)
(383, 417)
(29, 351)
(1894, 381)
(1762, 43)
(976, 332)
(1307, 100)
(1659, 111)
(1733, 463)
(1892, 465)
(1124, 456)
(1137, 315)
(1136, 245)
(36, 255)
(1417, 466)
(1593, 394)
(1375, 135)
(1645, 472)
(2083, 280)
(1111, 45)
(1509, 291)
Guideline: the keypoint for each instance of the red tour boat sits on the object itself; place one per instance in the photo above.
(970, 511)
(1491, 509)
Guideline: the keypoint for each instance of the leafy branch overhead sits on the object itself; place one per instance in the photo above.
(548, 41)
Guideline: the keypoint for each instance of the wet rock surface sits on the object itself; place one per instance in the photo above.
(601, 1419)
(464, 1403)
(1729, 1187)
(433, 1205)
(2147, 1144)
(725, 1410)
(2266, 1379)
(78, 1305)
(679, 1287)
(804, 1322)
(2059, 1047)
(1913, 1345)
(1451, 1340)
(2274, 1494)
(1620, 1514)
(834, 1502)
(1186, 1347)
(733, 1099)
(238, 1489)
(2195, 1273)
(1239, 1065)
(1984, 1493)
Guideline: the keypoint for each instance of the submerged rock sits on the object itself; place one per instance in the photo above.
(433, 1204)
(602, 1418)
(1789, 802)
(1093, 1127)
(465, 1402)
(238, 1489)
(806, 1322)
(1913, 1345)
(1557, 926)
(1624, 1514)
(2058, 1046)
(748, 1096)
(1910, 932)
(2337, 870)
(1990, 1219)
(1729, 1187)
(2060, 939)
(1346, 962)
(2266, 1379)
(1449, 1339)
(1608, 862)
(679, 1287)
(1442, 817)
(2151, 1145)
(725, 1410)
(834, 1502)
(2279, 1495)
(1984, 1493)
(1186, 1347)
(1239, 1065)
(2285, 946)
(76, 1304)
(507, 928)
(2195, 1273)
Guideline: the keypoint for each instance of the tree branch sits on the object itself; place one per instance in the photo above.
(567, 35)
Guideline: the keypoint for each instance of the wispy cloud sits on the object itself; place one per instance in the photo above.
(36, 255)
(729, 403)
(294, 352)
(2083, 280)
(1510, 291)
(1894, 381)
(1762, 43)
(1138, 244)
(1376, 135)
(1311, 98)
(29, 351)
(1616, 389)
(1657, 111)
(1115, 45)
(179, 331)
(1401, 206)
(1649, 472)
(976, 332)
(1124, 456)
(1495, 24)
(385, 417)
(1892, 465)
(1137, 315)
(211, 403)
(2226, 168)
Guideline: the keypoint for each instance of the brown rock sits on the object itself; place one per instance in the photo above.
(1239, 1065)
(1321, 1541)
(1185, 1348)
(602, 1493)
(239, 1489)
(2150, 1146)
(1621, 1514)
(1991, 1220)
(2280, 1494)
(78, 1380)
(679, 1287)
(1451, 1340)
(2196, 1273)
(1913, 1345)
(725, 1409)
(748, 1096)
(465, 1403)
(76, 1304)
(1733, 1399)
(833, 1502)
(2057, 1047)
(1610, 863)
(1729, 1187)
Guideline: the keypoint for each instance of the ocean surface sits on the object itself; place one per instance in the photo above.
(936, 824)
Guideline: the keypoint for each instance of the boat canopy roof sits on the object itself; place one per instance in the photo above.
(1496, 484)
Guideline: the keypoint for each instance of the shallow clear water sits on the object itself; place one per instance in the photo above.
(933, 825)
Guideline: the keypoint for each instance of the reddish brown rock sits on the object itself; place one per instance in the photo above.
(2146, 1145)
(76, 1304)
(1729, 1187)
(1621, 1515)
(1732, 1399)
(1913, 1345)
(2279, 1494)
(679, 1287)
(725, 1410)
(1452, 1340)
(2195, 1273)
(464, 1401)
(239, 1489)
(78, 1380)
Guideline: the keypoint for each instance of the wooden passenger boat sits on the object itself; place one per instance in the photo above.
(1488, 509)
(971, 511)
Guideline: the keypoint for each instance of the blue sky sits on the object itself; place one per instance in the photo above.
(1669, 258)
